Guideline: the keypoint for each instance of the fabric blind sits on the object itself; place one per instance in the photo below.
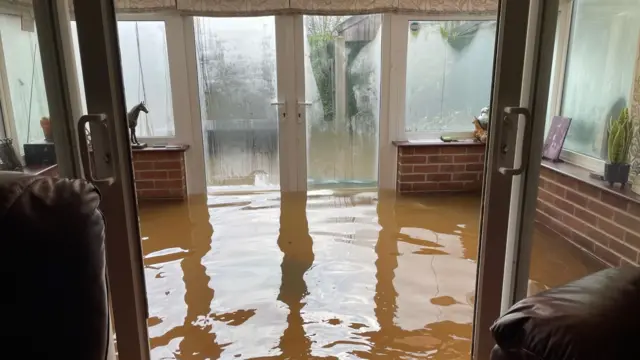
(122, 6)
(274, 7)
(334, 7)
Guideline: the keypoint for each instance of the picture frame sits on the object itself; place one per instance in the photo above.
(555, 138)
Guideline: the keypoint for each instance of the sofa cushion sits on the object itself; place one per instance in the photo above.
(596, 317)
(52, 274)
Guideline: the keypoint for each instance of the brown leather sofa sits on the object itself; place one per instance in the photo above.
(54, 292)
(596, 317)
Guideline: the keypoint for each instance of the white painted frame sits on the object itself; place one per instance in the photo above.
(387, 152)
(393, 84)
(177, 73)
(399, 47)
(185, 96)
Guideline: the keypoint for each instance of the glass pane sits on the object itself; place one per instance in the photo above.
(237, 80)
(342, 83)
(578, 229)
(599, 74)
(449, 74)
(25, 97)
(145, 71)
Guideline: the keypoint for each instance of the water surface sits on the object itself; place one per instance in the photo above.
(328, 274)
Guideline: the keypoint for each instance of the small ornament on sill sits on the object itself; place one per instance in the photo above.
(45, 124)
(481, 124)
(132, 123)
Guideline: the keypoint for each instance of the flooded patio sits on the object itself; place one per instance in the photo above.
(328, 274)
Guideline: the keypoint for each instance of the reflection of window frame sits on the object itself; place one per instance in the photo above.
(398, 62)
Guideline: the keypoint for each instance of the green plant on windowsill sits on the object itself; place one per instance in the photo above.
(616, 170)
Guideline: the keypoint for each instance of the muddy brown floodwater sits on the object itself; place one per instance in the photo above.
(328, 274)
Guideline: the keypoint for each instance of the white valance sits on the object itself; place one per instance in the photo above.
(122, 6)
(334, 7)
(275, 7)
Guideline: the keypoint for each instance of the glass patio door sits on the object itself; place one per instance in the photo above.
(248, 122)
(525, 46)
(51, 66)
(341, 82)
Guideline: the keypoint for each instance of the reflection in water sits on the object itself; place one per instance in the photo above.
(297, 249)
(325, 274)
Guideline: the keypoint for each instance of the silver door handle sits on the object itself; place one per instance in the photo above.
(305, 103)
(278, 103)
(526, 141)
(100, 119)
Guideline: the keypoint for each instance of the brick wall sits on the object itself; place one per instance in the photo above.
(160, 173)
(440, 167)
(603, 223)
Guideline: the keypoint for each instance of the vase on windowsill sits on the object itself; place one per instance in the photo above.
(616, 170)
(616, 173)
(45, 124)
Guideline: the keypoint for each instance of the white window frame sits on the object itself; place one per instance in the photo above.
(185, 96)
(177, 74)
(563, 36)
(9, 129)
(399, 25)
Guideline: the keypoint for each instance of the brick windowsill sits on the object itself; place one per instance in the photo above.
(602, 221)
(582, 175)
(437, 166)
(436, 142)
(167, 148)
(160, 172)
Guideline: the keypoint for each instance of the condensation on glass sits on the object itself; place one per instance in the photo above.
(342, 83)
(145, 72)
(599, 72)
(449, 74)
(236, 59)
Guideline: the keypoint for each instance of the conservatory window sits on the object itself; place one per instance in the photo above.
(145, 72)
(449, 71)
(598, 75)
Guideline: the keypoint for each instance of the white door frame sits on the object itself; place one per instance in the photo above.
(100, 58)
(509, 70)
(288, 121)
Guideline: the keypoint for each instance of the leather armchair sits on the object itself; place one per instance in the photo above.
(54, 291)
(596, 317)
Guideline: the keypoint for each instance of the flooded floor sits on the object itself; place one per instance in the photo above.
(327, 275)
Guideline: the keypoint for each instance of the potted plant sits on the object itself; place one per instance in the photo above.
(616, 170)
